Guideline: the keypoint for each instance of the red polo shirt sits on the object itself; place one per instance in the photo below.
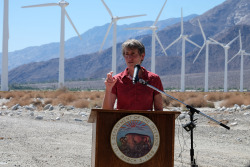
(136, 96)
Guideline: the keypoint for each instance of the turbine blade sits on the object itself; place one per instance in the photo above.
(216, 42)
(199, 52)
(139, 28)
(232, 41)
(72, 23)
(193, 43)
(160, 44)
(41, 5)
(234, 56)
(160, 13)
(106, 35)
(240, 40)
(110, 13)
(203, 34)
(182, 28)
(125, 17)
(247, 54)
(173, 43)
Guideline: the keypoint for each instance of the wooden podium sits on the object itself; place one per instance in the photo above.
(103, 123)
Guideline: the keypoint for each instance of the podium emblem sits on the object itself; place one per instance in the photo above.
(135, 139)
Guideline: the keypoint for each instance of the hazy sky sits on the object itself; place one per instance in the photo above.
(41, 25)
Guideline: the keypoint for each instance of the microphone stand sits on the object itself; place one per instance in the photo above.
(191, 125)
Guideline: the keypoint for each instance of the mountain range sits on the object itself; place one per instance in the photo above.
(221, 23)
(91, 42)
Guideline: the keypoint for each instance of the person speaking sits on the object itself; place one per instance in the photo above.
(125, 88)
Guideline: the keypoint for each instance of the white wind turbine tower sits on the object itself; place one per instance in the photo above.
(4, 75)
(184, 39)
(114, 20)
(206, 43)
(62, 4)
(242, 53)
(226, 48)
(154, 35)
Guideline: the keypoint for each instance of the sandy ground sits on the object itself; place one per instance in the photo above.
(63, 139)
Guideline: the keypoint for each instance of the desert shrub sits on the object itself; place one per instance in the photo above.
(38, 103)
(228, 95)
(2, 94)
(216, 96)
(85, 95)
(98, 94)
(21, 102)
(55, 94)
(37, 94)
(57, 101)
(174, 103)
(179, 95)
(210, 105)
(8, 95)
(213, 96)
(236, 98)
(14, 94)
(230, 102)
(67, 97)
(48, 101)
(197, 101)
(166, 101)
(81, 103)
(95, 95)
(96, 103)
(192, 94)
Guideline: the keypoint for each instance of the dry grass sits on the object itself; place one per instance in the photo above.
(206, 99)
(39, 99)
(238, 98)
(88, 99)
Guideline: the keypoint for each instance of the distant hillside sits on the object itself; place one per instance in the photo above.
(193, 81)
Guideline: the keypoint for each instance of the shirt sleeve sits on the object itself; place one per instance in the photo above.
(156, 82)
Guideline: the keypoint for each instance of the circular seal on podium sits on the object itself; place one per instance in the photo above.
(135, 139)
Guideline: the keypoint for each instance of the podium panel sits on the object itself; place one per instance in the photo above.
(103, 121)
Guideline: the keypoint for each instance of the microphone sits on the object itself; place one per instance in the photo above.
(136, 71)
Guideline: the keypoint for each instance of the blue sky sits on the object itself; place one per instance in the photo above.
(41, 25)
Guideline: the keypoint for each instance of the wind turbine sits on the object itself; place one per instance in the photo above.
(184, 39)
(226, 48)
(62, 4)
(206, 43)
(114, 20)
(154, 36)
(242, 53)
(4, 76)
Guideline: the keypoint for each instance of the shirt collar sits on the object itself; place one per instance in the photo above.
(144, 73)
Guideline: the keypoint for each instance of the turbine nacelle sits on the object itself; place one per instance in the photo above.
(63, 3)
(114, 18)
(185, 36)
(153, 27)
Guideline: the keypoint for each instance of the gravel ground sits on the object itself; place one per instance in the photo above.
(62, 138)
